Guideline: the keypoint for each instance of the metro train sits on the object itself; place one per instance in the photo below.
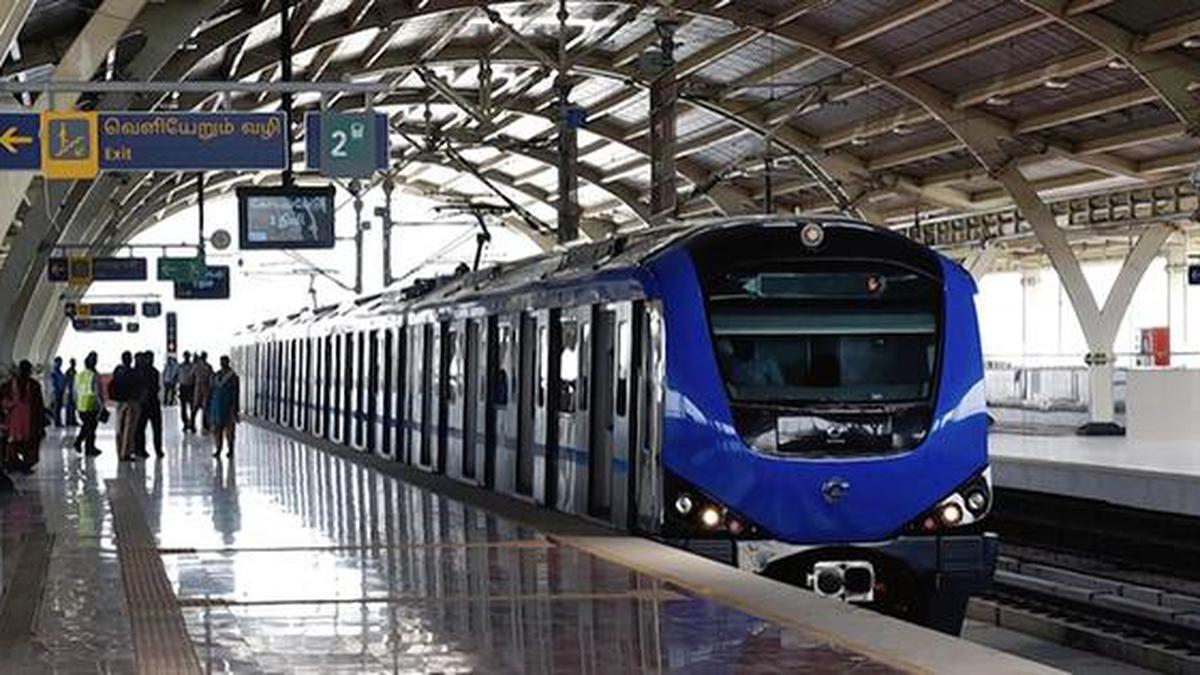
(800, 396)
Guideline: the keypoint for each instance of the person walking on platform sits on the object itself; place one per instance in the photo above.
(92, 410)
(224, 404)
(187, 393)
(170, 378)
(202, 373)
(58, 391)
(124, 390)
(24, 419)
(148, 403)
(69, 396)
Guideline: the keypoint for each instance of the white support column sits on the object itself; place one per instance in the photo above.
(1177, 288)
(1101, 333)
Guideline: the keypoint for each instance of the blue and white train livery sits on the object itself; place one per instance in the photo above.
(802, 397)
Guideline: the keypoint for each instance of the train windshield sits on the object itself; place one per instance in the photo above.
(840, 333)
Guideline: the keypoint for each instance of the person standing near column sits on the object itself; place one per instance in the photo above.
(90, 402)
(187, 393)
(224, 406)
(24, 419)
(151, 407)
(124, 390)
(58, 390)
(69, 396)
(202, 373)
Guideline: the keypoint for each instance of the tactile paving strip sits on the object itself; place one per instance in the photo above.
(160, 638)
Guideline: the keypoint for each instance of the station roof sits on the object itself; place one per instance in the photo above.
(824, 104)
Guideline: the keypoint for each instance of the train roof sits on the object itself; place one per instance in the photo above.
(621, 252)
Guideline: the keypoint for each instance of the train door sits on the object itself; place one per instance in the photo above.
(647, 471)
(359, 381)
(310, 377)
(602, 421)
(570, 393)
(386, 407)
(427, 397)
(620, 432)
(276, 383)
(545, 445)
(416, 399)
(507, 398)
(347, 391)
(400, 404)
(485, 412)
(474, 373)
(528, 390)
(450, 411)
(326, 383)
(373, 393)
(295, 384)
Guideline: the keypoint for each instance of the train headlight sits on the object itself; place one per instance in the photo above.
(710, 517)
(966, 505)
(950, 514)
(689, 513)
(684, 504)
(977, 501)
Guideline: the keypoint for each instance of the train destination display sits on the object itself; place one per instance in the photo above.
(285, 217)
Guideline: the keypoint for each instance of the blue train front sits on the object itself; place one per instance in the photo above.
(801, 397)
(825, 413)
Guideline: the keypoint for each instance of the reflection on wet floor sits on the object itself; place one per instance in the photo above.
(288, 559)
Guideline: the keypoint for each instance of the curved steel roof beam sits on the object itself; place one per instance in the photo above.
(1170, 75)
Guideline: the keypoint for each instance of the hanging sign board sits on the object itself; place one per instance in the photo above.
(214, 286)
(20, 142)
(101, 325)
(69, 145)
(151, 310)
(346, 145)
(155, 141)
(82, 270)
(1194, 275)
(181, 269)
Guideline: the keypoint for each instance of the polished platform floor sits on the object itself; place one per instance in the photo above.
(292, 559)
(1154, 475)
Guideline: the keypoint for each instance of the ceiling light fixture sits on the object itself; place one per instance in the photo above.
(901, 130)
(1055, 83)
(1117, 64)
(858, 140)
(1191, 43)
(998, 100)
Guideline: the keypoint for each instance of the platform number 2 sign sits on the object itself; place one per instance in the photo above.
(348, 145)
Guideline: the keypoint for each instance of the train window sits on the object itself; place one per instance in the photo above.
(454, 369)
(503, 385)
(568, 376)
(542, 366)
(585, 352)
(622, 370)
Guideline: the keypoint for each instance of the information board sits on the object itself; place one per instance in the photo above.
(285, 218)
(102, 269)
(346, 145)
(20, 142)
(214, 285)
(157, 141)
(1194, 275)
(181, 269)
(151, 310)
(100, 325)
(172, 333)
(95, 309)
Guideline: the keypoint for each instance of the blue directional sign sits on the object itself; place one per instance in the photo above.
(327, 151)
(20, 142)
(105, 325)
(102, 269)
(214, 285)
(152, 141)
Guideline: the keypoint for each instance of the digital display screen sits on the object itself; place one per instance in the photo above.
(285, 218)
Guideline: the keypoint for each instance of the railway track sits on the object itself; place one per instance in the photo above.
(1118, 582)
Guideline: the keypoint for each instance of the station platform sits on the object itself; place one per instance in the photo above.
(293, 558)
(1153, 475)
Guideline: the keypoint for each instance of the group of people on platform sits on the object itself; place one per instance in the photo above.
(138, 390)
